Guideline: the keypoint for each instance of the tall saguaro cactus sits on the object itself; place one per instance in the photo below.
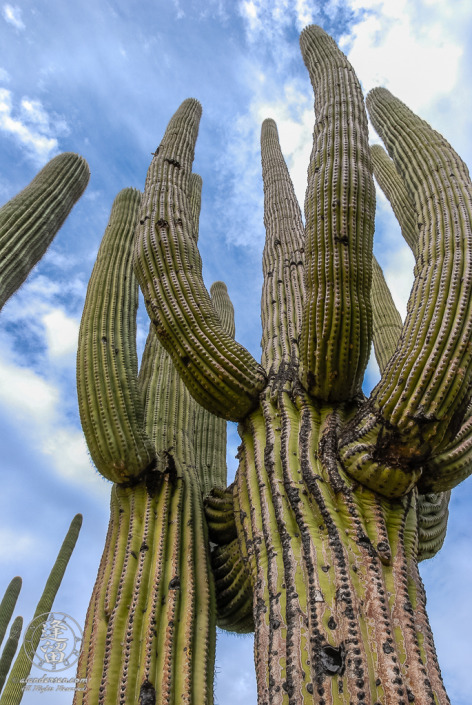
(150, 632)
(337, 496)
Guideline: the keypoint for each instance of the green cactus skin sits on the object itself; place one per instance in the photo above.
(420, 402)
(29, 222)
(330, 525)
(9, 651)
(339, 210)
(210, 431)
(7, 605)
(110, 405)
(395, 190)
(150, 632)
(220, 374)
(12, 693)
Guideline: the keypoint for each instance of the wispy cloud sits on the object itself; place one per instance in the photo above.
(12, 15)
(31, 126)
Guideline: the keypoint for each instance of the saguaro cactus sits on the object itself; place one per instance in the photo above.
(326, 504)
(13, 691)
(150, 631)
(30, 220)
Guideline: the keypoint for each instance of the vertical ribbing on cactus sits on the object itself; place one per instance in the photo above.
(29, 222)
(283, 293)
(13, 691)
(220, 374)
(7, 605)
(418, 405)
(210, 431)
(339, 210)
(395, 190)
(110, 405)
(9, 651)
(329, 523)
(150, 629)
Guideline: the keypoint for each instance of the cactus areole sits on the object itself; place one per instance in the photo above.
(337, 496)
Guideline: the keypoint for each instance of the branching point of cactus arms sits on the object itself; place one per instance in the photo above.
(29, 222)
(337, 497)
(150, 632)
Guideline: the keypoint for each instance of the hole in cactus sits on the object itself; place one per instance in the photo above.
(333, 659)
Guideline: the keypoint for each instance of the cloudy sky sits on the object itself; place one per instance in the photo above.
(102, 78)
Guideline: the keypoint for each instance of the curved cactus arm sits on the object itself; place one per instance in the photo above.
(433, 511)
(210, 430)
(220, 374)
(29, 222)
(452, 465)
(109, 401)
(387, 322)
(9, 651)
(283, 290)
(395, 190)
(234, 590)
(418, 406)
(13, 693)
(339, 212)
(7, 605)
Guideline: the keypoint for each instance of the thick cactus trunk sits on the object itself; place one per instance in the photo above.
(339, 606)
(149, 630)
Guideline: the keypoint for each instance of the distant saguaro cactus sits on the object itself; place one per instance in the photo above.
(150, 632)
(13, 692)
(30, 220)
(337, 496)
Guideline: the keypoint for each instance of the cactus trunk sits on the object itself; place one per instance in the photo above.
(339, 607)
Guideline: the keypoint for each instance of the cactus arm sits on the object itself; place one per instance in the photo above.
(210, 430)
(29, 222)
(433, 511)
(339, 211)
(452, 465)
(109, 402)
(418, 405)
(282, 263)
(387, 322)
(9, 651)
(220, 374)
(12, 693)
(395, 190)
(7, 605)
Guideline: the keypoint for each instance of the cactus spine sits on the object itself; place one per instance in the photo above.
(150, 632)
(29, 222)
(335, 498)
(13, 691)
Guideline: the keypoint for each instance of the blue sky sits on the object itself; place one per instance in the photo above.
(102, 78)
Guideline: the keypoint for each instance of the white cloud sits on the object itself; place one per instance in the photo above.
(31, 126)
(12, 15)
(4, 75)
(23, 541)
(26, 394)
(61, 333)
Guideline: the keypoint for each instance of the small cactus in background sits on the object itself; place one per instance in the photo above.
(30, 220)
(337, 497)
(150, 630)
(13, 692)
